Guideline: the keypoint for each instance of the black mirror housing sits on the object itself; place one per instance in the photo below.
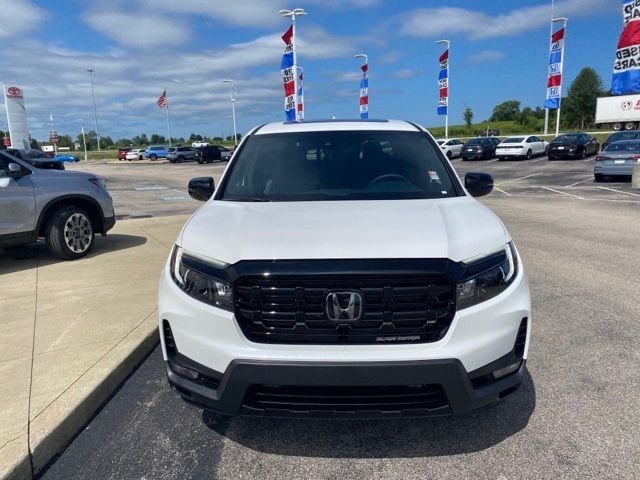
(15, 171)
(201, 188)
(478, 184)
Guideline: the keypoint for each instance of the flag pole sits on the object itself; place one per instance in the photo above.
(168, 120)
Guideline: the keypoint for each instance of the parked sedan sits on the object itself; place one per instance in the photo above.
(135, 154)
(573, 145)
(480, 148)
(155, 152)
(624, 135)
(66, 157)
(451, 147)
(521, 147)
(225, 153)
(36, 158)
(617, 159)
(181, 154)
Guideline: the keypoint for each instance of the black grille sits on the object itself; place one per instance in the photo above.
(169, 341)
(397, 308)
(309, 399)
(521, 338)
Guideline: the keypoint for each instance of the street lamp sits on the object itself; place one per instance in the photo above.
(364, 86)
(95, 111)
(446, 117)
(233, 109)
(84, 139)
(563, 21)
(292, 14)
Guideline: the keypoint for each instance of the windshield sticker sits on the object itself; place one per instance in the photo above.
(434, 176)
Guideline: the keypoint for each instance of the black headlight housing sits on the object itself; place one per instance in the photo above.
(487, 277)
(201, 279)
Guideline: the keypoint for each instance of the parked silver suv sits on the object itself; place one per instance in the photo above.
(66, 208)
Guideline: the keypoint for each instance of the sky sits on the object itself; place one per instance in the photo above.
(499, 51)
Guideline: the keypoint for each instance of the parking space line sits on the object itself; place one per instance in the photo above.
(564, 193)
(520, 178)
(581, 181)
(587, 160)
(619, 191)
(539, 159)
(503, 191)
(494, 160)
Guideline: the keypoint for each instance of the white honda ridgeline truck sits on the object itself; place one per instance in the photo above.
(342, 270)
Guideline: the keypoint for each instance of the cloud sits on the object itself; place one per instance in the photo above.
(433, 22)
(248, 13)
(406, 73)
(19, 17)
(486, 56)
(138, 30)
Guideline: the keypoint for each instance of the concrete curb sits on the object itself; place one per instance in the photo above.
(52, 434)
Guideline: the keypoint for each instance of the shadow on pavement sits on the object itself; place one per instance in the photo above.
(24, 257)
(397, 438)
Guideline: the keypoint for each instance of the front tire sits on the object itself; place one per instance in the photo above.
(583, 156)
(529, 154)
(153, 158)
(70, 233)
(180, 159)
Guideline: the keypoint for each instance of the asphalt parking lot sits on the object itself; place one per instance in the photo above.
(576, 415)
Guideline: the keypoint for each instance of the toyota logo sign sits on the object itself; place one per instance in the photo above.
(14, 92)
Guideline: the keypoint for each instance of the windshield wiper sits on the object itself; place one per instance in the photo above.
(247, 199)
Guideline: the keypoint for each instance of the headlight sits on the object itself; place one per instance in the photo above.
(202, 280)
(495, 273)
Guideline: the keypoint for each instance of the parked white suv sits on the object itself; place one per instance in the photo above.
(341, 269)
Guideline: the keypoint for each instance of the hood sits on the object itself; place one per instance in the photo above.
(455, 228)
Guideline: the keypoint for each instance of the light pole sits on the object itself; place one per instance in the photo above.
(95, 111)
(563, 21)
(233, 109)
(292, 14)
(446, 117)
(364, 86)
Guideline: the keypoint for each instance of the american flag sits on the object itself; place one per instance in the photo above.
(162, 101)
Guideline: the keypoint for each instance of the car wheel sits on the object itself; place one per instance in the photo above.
(529, 154)
(69, 233)
(584, 154)
(180, 159)
(551, 157)
(598, 177)
(140, 157)
(200, 161)
(153, 157)
(449, 155)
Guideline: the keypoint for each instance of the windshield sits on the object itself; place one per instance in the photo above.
(338, 165)
(571, 139)
(630, 147)
(513, 140)
(440, 142)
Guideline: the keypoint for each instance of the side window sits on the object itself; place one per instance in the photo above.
(3, 167)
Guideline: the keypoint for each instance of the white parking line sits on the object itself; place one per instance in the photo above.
(581, 181)
(564, 193)
(588, 159)
(521, 178)
(619, 191)
(494, 160)
(503, 191)
(539, 159)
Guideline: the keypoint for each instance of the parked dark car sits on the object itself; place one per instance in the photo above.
(480, 148)
(489, 133)
(573, 145)
(37, 158)
(122, 153)
(624, 135)
(224, 152)
(208, 154)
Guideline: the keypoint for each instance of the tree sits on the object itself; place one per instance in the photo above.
(34, 143)
(157, 139)
(65, 141)
(140, 140)
(468, 116)
(508, 111)
(579, 106)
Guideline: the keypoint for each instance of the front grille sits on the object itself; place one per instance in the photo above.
(309, 399)
(397, 309)
(521, 338)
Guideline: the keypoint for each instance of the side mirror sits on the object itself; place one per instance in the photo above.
(201, 188)
(478, 184)
(15, 171)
